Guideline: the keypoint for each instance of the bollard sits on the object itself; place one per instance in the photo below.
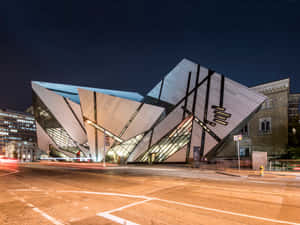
(262, 170)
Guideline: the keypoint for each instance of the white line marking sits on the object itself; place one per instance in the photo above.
(17, 171)
(116, 219)
(228, 212)
(177, 203)
(24, 190)
(120, 220)
(246, 190)
(107, 193)
(45, 215)
(127, 206)
(54, 221)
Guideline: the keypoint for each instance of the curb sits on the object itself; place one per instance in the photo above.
(228, 174)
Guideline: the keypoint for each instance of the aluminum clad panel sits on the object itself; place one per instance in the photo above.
(61, 111)
(210, 143)
(143, 121)
(169, 123)
(90, 132)
(179, 156)
(200, 101)
(43, 140)
(77, 110)
(114, 112)
(87, 103)
(237, 103)
(175, 82)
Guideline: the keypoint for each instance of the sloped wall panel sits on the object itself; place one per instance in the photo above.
(179, 156)
(87, 103)
(143, 121)
(43, 140)
(170, 122)
(58, 107)
(175, 83)
(114, 112)
(77, 110)
(91, 139)
(239, 101)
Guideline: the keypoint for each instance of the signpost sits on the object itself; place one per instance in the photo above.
(197, 156)
(237, 139)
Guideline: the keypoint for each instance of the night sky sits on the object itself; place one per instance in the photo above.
(131, 45)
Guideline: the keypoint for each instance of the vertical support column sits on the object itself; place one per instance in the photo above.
(193, 111)
(184, 114)
(222, 91)
(186, 95)
(160, 90)
(205, 113)
(96, 131)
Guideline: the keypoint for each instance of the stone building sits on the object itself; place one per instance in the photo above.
(294, 106)
(267, 130)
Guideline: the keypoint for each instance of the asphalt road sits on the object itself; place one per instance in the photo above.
(72, 194)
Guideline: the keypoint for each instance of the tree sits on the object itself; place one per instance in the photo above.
(294, 138)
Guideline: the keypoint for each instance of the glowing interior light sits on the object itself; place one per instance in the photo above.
(105, 131)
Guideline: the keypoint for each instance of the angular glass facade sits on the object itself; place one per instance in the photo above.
(123, 150)
(52, 127)
(154, 126)
(171, 143)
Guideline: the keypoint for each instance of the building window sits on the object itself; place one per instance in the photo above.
(244, 151)
(245, 130)
(265, 125)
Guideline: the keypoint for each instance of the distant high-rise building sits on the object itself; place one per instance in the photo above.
(16, 127)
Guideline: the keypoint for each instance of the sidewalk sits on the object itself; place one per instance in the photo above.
(256, 174)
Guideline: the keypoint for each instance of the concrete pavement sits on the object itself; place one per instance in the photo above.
(43, 194)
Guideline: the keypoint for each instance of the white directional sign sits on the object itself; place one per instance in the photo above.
(238, 137)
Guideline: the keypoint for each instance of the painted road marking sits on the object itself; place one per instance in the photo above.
(45, 215)
(246, 190)
(228, 212)
(17, 171)
(146, 198)
(120, 220)
(106, 193)
(116, 219)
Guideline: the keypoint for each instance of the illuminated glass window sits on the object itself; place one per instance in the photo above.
(171, 143)
(52, 127)
(125, 148)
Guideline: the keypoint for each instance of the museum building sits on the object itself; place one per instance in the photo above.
(190, 113)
